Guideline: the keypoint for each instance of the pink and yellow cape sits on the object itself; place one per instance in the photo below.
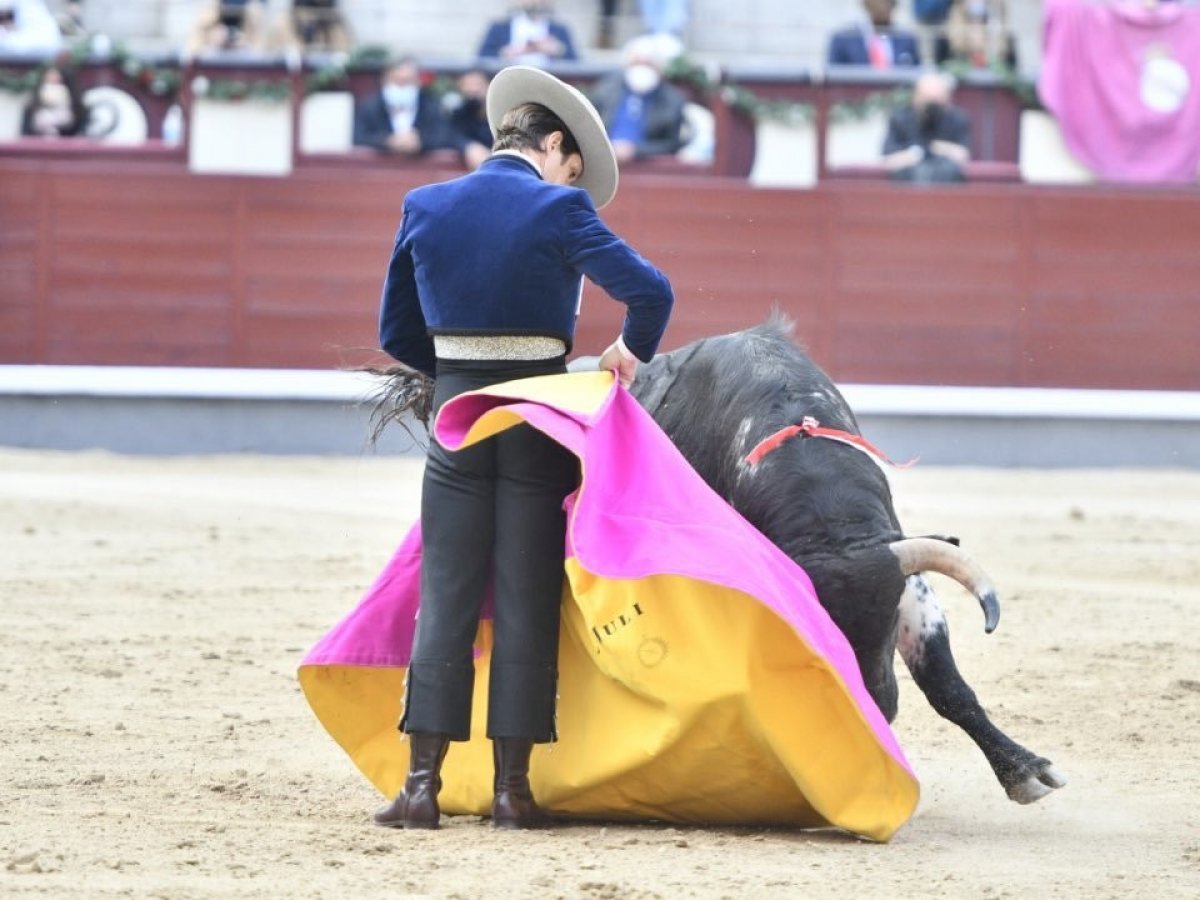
(700, 681)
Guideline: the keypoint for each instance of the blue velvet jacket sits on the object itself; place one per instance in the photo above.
(500, 251)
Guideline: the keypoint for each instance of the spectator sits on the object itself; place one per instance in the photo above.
(977, 33)
(873, 42)
(530, 36)
(927, 141)
(642, 112)
(319, 25)
(28, 26)
(401, 117)
(468, 123)
(665, 16)
(224, 26)
(56, 107)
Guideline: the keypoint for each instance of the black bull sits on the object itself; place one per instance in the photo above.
(826, 504)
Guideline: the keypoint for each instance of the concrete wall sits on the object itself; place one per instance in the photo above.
(187, 411)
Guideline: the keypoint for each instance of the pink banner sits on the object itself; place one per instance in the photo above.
(1123, 80)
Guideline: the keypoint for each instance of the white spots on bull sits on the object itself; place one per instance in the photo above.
(825, 398)
(740, 448)
(920, 617)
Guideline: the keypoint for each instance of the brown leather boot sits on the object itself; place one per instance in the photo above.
(416, 806)
(514, 806)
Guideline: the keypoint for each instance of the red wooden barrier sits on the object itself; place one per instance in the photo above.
(135, 261)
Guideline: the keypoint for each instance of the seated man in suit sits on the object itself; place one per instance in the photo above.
(874, 42)
(927, 141)
(401, 117)
(642, 112)
(530, 36)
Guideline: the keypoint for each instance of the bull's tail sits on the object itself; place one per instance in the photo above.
(932, 555)
(404, 394)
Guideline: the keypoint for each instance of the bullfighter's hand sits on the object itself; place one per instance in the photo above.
(618, 359)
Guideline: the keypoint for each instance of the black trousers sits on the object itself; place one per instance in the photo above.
(491, 512)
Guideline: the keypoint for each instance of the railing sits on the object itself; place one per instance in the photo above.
(820, 96)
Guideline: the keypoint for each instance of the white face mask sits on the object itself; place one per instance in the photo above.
(54, 94)
(642, 78)
(399, 95)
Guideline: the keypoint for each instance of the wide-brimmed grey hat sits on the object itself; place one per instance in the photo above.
(515, 85)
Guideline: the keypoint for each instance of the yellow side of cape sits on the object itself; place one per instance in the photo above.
(719, 713)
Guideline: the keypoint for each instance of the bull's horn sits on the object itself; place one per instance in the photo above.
(931, 555)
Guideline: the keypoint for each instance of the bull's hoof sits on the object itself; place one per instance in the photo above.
(1040, 778)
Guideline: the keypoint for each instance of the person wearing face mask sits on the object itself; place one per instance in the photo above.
(401, 117)
(976, 32)
(927, 141)
(484, 286)
(223, 27)
(642, 112)
(468, 123)
(56, 108)
(530, 36)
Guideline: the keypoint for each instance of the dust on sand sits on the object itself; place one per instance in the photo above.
(155, 743)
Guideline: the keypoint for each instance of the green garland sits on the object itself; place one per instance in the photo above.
(884, 102)
(682, 70)
(874, 103)
(237, 90)
(785, 112)
(368, 56)
(1024, 89)
(685, 71)
(161, 82)
(19, 82)
(158, 80)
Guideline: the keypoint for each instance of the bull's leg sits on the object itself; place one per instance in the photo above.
(924, 643)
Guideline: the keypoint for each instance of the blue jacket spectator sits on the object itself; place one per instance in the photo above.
(874, 42)
(529, 36)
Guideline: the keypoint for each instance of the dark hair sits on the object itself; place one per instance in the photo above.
(527, 126)
(79, 110)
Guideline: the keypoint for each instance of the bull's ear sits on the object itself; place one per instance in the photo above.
(948, 538)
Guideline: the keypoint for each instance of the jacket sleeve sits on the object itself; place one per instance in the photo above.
(899, 136)
(402, 330)
(664, 124)
(563, 34)
(841, 51)
(494, 40)
(433, 126)
(957, 127)
(623, 274)
(371, 128)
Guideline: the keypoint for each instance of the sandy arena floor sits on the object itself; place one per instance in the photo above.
(155, 743)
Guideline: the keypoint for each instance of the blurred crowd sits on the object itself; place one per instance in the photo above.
(411, 112)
